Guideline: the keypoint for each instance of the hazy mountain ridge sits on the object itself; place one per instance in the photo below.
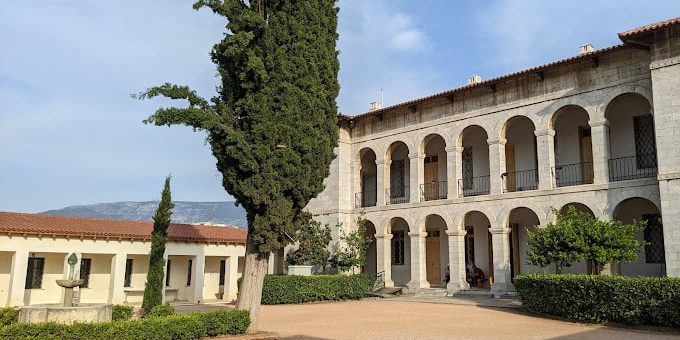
(184, 212)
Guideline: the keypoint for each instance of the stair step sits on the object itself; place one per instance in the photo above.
(474, 293)
(387, 292)
(431, 292)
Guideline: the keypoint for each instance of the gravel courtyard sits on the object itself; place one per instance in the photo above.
(386, 319)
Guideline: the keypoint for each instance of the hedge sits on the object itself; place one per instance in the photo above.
(176, 327)
(286, 289)
(122, 312)
(630, 300)
(8, 316)
(161, 310)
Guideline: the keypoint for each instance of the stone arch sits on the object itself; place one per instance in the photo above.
(427, 138)
(521, 220)
(548, 113)
(371, 265)
(420, 224)
(640, 90)
(579, 206)
(566, 108)
(366, 178)
(508, 210)
(468, 129)
(502, 132)
(392, 218)
(394, 145)
(459, 219)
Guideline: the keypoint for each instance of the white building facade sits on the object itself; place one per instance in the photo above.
(203, 263)
(457, 178)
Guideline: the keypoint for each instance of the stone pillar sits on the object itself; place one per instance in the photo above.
(458, 172)
(383, 249)
(417, 173)
(501, 261)
(418, 268)
(496, 165)
(198, 274)
(231, 278)
(456, 240)
(600, 140)
(117, 279)
(165, 274)
(545, 148)
(382, 181)
(17, 286)
(452, 156)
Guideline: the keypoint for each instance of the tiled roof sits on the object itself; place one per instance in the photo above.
(649, 28)
(36, 224)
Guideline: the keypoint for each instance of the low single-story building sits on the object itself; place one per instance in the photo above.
(203, 262)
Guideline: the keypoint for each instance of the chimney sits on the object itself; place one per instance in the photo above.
(587, 48)
(474, 79)
(374, 106)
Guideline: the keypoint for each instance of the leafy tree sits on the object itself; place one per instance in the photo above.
(578, 236)
(313, 238)
(353, 247)
(153, 290)
(273, 125)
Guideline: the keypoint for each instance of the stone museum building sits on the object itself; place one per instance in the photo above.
(458, 178)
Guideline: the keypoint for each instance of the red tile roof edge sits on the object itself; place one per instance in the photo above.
(649, 28)
(70, 226)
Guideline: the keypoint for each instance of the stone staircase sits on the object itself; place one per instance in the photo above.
(474, 293)
(431, 292)
(387, 292)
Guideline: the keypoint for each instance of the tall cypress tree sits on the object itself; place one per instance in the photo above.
(153, 291)
(273, 125)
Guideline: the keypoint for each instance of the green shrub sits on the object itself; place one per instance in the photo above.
(179, 327)
(630, 300)
(122, 312)
(161, 310)
(8, 316)
(286, 289)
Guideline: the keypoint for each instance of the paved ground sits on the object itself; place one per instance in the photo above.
(399, 319)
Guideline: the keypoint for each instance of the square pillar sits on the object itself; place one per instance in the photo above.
(452, 156)
(165, 274)
(458, 172)
(198, 275)
(117, 279)
(383, 249)
(418, 268)
(545, 148)
(456, 239)
(382, 179)
(599, 131)
(17, 286)
(501, 261)
(230, 279)
(496, 165)
(417, 173)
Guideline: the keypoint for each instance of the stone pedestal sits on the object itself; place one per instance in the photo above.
(300, 270)
(54, 313)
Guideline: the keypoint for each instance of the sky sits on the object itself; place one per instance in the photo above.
(70, 133)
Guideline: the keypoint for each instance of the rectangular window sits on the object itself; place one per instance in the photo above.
(398, 247)
(654, 249)
(223, 268)
(397, 182)
(85, 265)
(645, 145)
(189, 273)
(168, 266)
(34, 275)
(468, 171)
(128, 273)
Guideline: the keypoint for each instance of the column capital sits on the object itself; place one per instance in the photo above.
(500, 141)
(381, 162)
(451, 149)
(417, 234)
(384, 236)
(599, 122)
(544, 132)
(495, 231)
(415, 155)
(455, 232)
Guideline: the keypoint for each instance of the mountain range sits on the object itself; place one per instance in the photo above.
(184, 212)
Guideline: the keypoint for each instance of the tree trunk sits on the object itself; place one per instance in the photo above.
(250, 291)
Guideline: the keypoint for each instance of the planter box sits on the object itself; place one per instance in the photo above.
(300, 270)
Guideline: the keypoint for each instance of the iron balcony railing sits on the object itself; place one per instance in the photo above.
(573, 174)
(397, 195)
(365, 199)
(474, 186)
(520, 180)
(433, 191)
(633, 167)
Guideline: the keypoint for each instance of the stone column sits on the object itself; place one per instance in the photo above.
(496, 165)
(416, 175)
(599, 131)
(418, 268)
(231, 278)
(452, 156)
(545, 148)
(198, 276)
(501, 261)
(456, 240)
(382, 181)
(383, 248)
(117, 279)
(17, 286)
(165, 274)
(458, 172)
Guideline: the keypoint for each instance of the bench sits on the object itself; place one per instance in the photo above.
(140, 291)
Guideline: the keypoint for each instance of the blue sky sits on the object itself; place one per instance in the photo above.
(70, 133)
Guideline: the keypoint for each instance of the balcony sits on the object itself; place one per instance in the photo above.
(633, 167)
(474, 186)
(573, 174)
(520, 180)
(365, 199)
(397, 195)
(433, 191)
